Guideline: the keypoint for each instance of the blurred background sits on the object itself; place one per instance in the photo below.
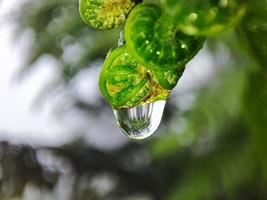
(59, 139)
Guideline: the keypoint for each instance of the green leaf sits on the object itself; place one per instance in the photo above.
(125, 83)
(105, 14)
(154, 40)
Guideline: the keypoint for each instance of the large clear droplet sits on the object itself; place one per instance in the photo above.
(141, 121)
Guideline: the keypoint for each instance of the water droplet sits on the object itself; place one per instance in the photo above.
(121, 40)
(140, 122)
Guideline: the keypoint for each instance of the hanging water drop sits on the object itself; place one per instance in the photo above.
(142, 121)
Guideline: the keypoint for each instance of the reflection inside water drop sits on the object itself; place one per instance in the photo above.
(141, 121)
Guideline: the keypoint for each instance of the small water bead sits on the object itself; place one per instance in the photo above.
(121, 40)
(141, 121)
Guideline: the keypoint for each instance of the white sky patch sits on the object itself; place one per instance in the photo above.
(19, 122)
(85, 84)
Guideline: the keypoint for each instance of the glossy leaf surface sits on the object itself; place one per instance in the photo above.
(154, 40)
(169, 78)
(126, 83)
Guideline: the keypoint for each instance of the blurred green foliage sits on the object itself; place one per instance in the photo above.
(216, 149)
